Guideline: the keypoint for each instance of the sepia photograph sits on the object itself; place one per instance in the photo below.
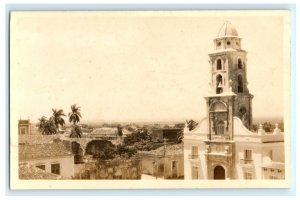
(149, 99)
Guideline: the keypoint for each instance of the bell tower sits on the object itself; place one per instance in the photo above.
(228, 64)
(229, 97)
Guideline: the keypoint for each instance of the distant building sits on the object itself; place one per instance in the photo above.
(53, 158)
(171, 134)
(24, 127)
(221, 146)
(104, 133)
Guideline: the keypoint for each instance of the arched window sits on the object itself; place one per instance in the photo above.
(218, 107)
(240, 84)
(242, 110)
(219, 64)
(219, 81)
(220, 127)
(240, 64)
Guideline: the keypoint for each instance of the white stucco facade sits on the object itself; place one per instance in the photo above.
(266, 160)
(222, 146)
(65, 163)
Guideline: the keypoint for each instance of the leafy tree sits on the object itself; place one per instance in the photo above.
(57, 118)
(125, 151)
(74, 115)
(139, 135)
(102, 149)
(140, 140)
(268, 127)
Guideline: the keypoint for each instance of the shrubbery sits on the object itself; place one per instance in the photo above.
(140, 140)
(105, 150)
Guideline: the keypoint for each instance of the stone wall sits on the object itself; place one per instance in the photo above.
(109, 169)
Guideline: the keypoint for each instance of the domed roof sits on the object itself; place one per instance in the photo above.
(227, 30)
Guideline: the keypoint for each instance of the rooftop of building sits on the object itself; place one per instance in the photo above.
(174, 149)
(27, 171)
(24, 121)
(105, 132)
(36, 137)
(40, 151)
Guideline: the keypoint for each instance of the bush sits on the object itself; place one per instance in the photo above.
(125, 151)
(139, 135)
(108, 152)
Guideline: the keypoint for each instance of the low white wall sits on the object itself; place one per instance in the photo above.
(66, 165)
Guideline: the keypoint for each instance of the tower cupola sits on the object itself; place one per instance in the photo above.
(229, 86)
(227, 37)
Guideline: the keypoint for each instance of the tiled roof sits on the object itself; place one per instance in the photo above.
(104, 132)
(27, 171)
(175, 149)
(47, 150)
(38, 138)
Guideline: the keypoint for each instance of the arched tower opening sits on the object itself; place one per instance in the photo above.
(240, 64)
(219, 83)
(240, 84)
(219, 64)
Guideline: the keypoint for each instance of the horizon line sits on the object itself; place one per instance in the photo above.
(155, 120)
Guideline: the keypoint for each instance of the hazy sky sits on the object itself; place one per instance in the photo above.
(124, 66)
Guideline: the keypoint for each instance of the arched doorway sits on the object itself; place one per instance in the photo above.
(219, 173)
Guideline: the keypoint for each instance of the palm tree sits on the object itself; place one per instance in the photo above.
(50, 127)
(74, 115)
(76, 132)
(47, 127)
(42, 124)
(57, 118)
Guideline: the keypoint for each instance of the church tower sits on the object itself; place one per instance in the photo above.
(221, 146)
(229, 98)
(229, 92)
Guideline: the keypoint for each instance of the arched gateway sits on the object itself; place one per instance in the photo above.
(219, 173)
